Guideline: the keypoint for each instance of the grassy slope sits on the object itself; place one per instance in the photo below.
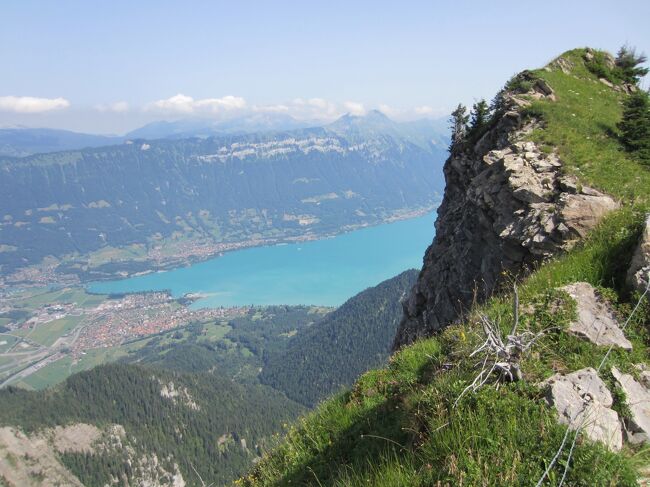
(398, 425)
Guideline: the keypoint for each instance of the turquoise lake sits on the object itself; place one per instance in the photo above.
(323, 272)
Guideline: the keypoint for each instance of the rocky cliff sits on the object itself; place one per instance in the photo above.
(563, 397)
(508, 206)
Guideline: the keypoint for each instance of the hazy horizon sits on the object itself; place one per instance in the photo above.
(111, 68)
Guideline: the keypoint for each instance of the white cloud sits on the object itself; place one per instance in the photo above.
(354, 108)
(178, 103)
(390, 111)
(304, 109)
(301, 108)
(423, 110)
(186, 104)
(117, 107)
(30, 104)
(410, 113)
(318, 103)
(225, 103)
(271, 108)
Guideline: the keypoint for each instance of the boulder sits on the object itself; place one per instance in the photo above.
(638, 275)
(596, 321)
(582, 212)
(605, 82)
(583, 402)
(637, 398)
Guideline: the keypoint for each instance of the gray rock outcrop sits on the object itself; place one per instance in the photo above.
(637, 398)
(638, 274)
(507, 206)
(583, 402)
(596, 321)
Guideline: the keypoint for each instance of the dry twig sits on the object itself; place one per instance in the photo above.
(501, 356)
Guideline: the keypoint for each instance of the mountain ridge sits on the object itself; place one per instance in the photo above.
(197, 195)
(23, 141)
(464, 404)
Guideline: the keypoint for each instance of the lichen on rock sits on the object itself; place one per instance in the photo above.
(583, 403)
(596, 321)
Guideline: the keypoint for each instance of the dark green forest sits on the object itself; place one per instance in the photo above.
(130, 395)
(347, 342)
(247, 377)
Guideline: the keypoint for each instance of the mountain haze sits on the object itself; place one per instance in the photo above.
(226, 189)
(21, 142)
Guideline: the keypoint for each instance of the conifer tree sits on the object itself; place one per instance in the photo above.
(479, 117)
(628, 63)
(635, 125)
(458, 120)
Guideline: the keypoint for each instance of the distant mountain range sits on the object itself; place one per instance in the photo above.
(21, 142)
(221, 189)
(261, 122)
(24, 141)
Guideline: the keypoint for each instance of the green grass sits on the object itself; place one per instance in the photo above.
(6, 360)
(52, 374)
(47, 333)
(581, 124)
(10, 342)
(21, 332)
(79, 296)
(400, 425)
(62, 369)
(216, 331)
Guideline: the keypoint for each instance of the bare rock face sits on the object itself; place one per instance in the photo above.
(30, 460)
(583, 402)
(638, 275)
(507, 206)
(637, 398)
(596, 321)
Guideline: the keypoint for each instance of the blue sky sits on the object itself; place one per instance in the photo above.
(110, 66)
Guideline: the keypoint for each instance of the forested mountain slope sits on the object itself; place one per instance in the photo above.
(487, 400)
(198, 193)
(184, 421)
(192, 397)
(332, 353)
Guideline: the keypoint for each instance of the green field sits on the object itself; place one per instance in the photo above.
(68, 295)
(10, 342)
(53, 373)
(46, 334)
(216, 331)
(62, 369)
(112, 254)
(5, 360)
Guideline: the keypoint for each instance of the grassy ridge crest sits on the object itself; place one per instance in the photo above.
(399, 425)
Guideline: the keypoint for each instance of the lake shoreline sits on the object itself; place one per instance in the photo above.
(323, 271)
(172, 264)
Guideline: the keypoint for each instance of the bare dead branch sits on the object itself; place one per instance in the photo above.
(502, 357)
